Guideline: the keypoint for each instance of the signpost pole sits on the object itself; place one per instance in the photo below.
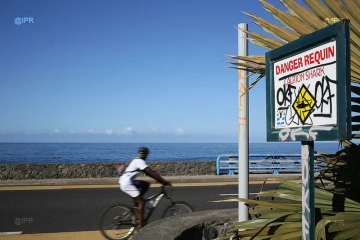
(308, 198)
(243, 127)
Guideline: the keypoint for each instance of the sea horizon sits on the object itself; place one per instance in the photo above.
(47, 152)
(320, 142)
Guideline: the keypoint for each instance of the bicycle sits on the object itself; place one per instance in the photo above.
(123, 219)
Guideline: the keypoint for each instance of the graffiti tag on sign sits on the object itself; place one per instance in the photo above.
(305, 88)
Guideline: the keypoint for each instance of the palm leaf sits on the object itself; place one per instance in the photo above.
(260, 60)
(348, 233)
(353, 8)
(271, 204)
(319, 9)
(253, 84)
(342, 12)
(288, 20)
(265, 41)
(279, 32)
(304, 14)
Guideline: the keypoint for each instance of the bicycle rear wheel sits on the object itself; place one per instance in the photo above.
(118, 222)
(177, 208)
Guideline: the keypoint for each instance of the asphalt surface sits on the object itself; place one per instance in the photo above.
(173, 179)
(66, 210)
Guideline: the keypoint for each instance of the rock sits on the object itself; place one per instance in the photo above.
(64, 172)
(61, 166)
(107, 174)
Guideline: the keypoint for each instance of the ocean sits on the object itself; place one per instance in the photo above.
(121, 152)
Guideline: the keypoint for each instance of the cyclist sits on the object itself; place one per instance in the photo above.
(137, 188)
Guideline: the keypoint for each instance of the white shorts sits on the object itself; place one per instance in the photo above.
(130, 189)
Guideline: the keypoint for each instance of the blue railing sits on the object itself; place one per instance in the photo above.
(263, 163)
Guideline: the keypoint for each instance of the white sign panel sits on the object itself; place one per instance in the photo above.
(305, 88)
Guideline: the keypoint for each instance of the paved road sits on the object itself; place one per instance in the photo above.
(65, 210)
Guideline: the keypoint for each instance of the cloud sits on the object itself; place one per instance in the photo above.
(75, 132)
(179, 131)
(153, 130)
(124, 131)
(109, 132)
(156, 132)
(89, 131)
(56, 131)
(127, 130)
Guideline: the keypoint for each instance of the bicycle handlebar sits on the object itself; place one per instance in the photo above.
(164, 191)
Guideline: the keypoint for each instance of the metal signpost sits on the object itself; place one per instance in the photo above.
(308, 99)
(243, 127)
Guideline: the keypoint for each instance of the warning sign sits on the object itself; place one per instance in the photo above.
(304, 104)
(308, 87)
(305, 88)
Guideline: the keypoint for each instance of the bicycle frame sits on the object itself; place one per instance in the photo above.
(158, 197)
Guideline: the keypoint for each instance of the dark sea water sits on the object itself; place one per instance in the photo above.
(119, 152)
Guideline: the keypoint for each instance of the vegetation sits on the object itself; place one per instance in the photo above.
(277, 214)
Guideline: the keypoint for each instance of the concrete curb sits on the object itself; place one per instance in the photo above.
(173, 179)
(170, 228)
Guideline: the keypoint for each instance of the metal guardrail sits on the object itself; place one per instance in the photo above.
(263, 163)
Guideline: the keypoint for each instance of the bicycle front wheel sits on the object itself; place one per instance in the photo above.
(118, 222)
(177, 208)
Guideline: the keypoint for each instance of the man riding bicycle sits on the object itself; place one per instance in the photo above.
(137, 188)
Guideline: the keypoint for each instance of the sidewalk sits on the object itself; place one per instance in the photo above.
(172, 179)
(88, 235)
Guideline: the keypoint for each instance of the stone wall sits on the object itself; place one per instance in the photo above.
(99, 170)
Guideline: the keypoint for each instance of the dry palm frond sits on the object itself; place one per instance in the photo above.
(279, 32)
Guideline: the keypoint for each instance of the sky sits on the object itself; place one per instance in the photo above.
(125, 71)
